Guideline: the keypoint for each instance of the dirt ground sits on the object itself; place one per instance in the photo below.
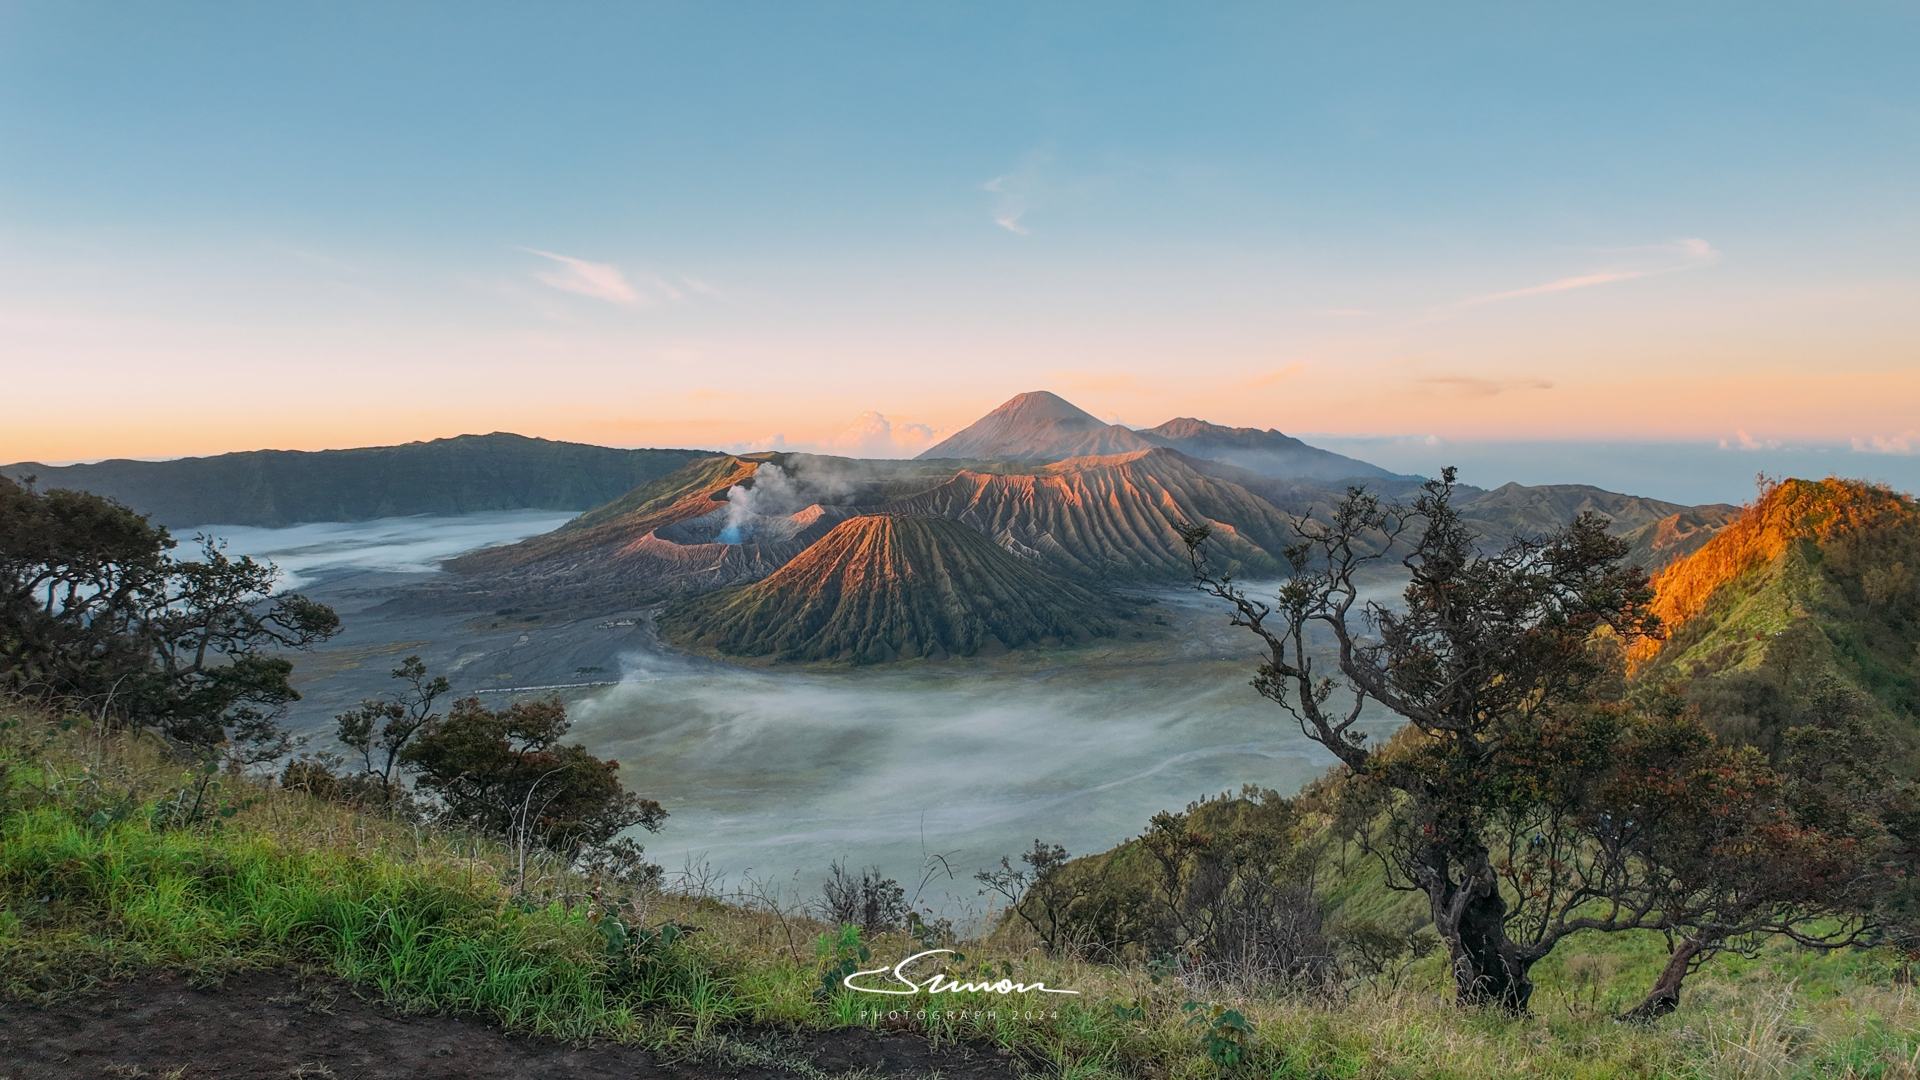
(279, 1025)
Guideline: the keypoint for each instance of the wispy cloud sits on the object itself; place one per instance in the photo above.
(601, 281)
(1009, 204)
(1687, 253)
(605, 281)
(1018, 190)
(1904, 443)
(1480, 386)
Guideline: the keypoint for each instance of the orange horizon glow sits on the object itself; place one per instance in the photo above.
(1301, 399)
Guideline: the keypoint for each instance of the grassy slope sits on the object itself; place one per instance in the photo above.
(94, 883)
(1801, 560)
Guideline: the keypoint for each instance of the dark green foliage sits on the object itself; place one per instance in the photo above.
(1225, 1034)
(503, 772)
(1067, 911)
(379, 729)
(1224, 893)
(1231, 897)
(839, 954)
(1483, 646)
(506, 772)
(1525, 800)
(97, 612)
(1871, 610)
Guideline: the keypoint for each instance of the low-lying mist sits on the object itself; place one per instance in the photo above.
(398, 544)
(771, 774)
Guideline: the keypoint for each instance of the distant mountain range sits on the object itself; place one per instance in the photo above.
(801, 556)
(446, 476)
(759, 555)
(1657, 532)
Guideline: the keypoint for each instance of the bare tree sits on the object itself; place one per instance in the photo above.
(862, 898)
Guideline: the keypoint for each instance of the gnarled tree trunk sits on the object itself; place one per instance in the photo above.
(1665, 995)
(1471, 918)
(1488, 968)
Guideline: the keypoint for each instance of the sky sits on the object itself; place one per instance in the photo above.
(857, 227)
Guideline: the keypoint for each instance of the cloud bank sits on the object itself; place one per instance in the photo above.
(1905, 443)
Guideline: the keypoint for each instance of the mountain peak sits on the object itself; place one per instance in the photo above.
(1037, 426)
(1046, 405)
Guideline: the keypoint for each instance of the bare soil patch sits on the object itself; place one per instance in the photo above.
(281, 1025)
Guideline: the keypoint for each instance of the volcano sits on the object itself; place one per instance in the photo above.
(666, 538)
(887, 587)
(1037, 426)
(1114, 516)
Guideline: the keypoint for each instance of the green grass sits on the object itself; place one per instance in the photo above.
(101, 877)
(423, 936)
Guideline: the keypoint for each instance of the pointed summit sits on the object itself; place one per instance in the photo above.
(1046, 405)
(1038, 426)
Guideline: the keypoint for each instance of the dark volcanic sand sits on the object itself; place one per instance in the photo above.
(275, 1024)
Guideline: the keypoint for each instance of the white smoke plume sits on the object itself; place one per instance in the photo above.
(773, 492)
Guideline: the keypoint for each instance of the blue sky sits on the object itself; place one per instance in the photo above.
(730, 224)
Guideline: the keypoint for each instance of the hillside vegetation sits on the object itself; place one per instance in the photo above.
(120, 859)
(1823, 573)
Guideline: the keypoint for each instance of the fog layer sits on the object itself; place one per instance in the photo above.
(772, 773)
(400, 544)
